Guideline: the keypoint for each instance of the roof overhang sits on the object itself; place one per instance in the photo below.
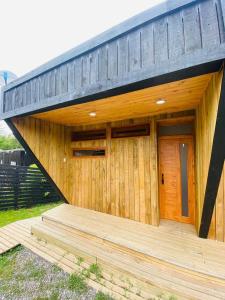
(172, 41)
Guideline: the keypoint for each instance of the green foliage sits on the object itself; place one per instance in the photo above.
(33, 166)
(9, 143)
(50, 282)
(80, 260)
(7, 261)
(56, 269)
(77, 283)
(54, 296)
(86, 273)
(96, 270)
(102, 296)
(9, 216)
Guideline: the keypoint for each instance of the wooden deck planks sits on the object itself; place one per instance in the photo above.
(180, 247)
(19, 233)
(171, 256)
(7, 242)
(62, 244)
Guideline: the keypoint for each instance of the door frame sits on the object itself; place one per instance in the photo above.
(190, 137)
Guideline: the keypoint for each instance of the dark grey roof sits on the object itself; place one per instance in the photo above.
(175, 35)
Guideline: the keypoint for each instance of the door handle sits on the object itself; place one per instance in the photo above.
(162, 179)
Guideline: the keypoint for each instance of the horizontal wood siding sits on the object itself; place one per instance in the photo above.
(23, 186)
(205, 125)
(147, 51)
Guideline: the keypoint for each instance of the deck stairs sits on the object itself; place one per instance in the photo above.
(135, 263)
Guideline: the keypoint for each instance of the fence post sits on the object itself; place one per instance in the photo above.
(16, 187)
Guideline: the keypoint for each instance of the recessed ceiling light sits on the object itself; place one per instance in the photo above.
(92, 114)
(160, 101)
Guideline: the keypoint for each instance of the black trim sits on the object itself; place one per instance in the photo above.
(88, 135)
(145, 17)
(215, 166)
(186, 73)
(23, 143)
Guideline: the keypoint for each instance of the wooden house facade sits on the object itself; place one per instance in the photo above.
(131, 123)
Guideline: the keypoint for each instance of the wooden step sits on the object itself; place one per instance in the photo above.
(53, 254)
(79, 248)
(155, 274)
(182, 249)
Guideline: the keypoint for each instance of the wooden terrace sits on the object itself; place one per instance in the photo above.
(168, 259)
(131, 123)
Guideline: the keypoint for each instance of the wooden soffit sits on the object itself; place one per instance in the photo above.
(179, 95)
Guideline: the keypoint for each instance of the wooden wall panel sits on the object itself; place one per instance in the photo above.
(50, 144)
(205, 125)
(123, 183)
(118, 184)
(130, 178)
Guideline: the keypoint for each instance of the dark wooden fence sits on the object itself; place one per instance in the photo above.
(22, 186)
(17, 157)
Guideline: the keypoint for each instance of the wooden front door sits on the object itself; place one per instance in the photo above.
(176, 178)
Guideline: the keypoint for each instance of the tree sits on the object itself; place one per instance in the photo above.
(9, 143)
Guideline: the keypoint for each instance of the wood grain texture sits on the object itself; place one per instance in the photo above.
(118, 184)
(154, 173)
(19, 233)
(123, 183)
(129, 270)
(179, 95)
(177, 36)
(158, 252)
(205, 125)
(170, 190)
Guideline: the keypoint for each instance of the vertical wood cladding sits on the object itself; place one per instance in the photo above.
(205, 126)
(164, 40)
(123, 183)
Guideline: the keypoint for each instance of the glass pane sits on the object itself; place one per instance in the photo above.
(88, 153)
(184, 178)
(175, 129)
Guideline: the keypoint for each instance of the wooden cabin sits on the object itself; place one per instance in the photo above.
(132, 123)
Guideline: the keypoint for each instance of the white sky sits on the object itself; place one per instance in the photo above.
(35, 31)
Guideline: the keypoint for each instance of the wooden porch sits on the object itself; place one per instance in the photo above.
(169, 258)
(138, 261)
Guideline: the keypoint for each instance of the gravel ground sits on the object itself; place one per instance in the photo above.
(25, 276)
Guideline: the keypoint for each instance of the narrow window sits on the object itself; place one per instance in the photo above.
(184, 178)
(131, 131)
(89, 135)
(88, 152)
(178, 129)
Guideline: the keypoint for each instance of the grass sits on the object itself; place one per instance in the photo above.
(102, 296)
(96, 270)
(24, 275)
(7, 262)
(9, 216)
(77, 283)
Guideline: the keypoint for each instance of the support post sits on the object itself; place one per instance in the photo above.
(154, 173)
(215, 166)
